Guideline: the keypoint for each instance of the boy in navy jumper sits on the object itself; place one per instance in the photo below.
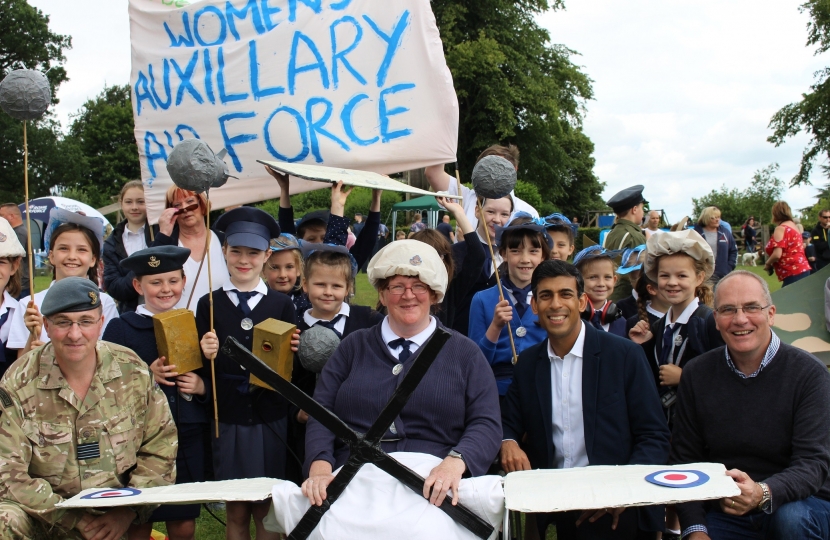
(159, 279)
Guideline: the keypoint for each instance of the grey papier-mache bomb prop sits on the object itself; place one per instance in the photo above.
(493, 177)
(193, 166)
(317, 345)
(25, 94)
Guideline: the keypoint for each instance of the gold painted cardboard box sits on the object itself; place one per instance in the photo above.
(178, 340)
(272, 345)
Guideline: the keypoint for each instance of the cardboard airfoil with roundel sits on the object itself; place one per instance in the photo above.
(607, 486)
(249, 489)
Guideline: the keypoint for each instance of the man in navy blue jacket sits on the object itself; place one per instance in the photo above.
(582, 397)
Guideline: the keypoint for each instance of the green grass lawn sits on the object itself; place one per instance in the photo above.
(772, 281)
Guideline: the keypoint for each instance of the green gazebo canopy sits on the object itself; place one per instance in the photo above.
(427, 202)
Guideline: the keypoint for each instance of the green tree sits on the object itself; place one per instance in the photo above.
(27, 42)
(103, 133)
(811, 115)
(514, 86)
(756, 200)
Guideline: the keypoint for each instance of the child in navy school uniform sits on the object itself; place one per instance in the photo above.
(523, 247)
(599, 274)
(159, 279)
(680, 263)
(328, 281)
(253, 421)
(11, 254)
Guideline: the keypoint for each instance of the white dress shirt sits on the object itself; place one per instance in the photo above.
(230, 290)
(417, 340)
(345, 310)
(133, 241)
(566, 397)
(11, 305)
(141, 309)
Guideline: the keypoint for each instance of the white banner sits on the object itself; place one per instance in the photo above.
(360, 84)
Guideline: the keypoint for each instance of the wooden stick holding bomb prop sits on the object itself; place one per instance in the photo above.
(493, 178)
(25, 94)
(193, 166)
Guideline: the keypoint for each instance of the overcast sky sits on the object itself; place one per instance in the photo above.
(684, 89)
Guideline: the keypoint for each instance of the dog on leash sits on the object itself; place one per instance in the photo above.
(750, 259)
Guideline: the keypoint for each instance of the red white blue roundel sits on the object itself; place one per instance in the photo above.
(112, 493)
(678, 479)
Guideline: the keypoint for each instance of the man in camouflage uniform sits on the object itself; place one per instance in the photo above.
(79, 413)
(626, 233)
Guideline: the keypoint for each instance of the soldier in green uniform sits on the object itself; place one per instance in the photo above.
(628, 205)
(79, 413)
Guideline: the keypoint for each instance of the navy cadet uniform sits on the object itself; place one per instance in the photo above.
(253, 421)
(624, 234)
(134, 330)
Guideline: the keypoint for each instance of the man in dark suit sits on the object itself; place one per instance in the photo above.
(582, 397)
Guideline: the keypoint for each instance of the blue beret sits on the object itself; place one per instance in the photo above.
(156, 260)
(248, 227)
(70, 295)
(626, 199)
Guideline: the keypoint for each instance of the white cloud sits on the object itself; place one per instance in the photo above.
(685, 91)
(100, 53)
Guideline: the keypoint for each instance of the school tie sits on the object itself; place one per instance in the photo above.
(3, 318)
(488, 263)
(405, 353)
(243, 301)
(596, 320)
(331, 325)
(665, 353)
(520, 294)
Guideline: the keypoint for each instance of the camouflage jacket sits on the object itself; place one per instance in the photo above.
(43, 423)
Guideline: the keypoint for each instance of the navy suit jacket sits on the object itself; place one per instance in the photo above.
(621, 411)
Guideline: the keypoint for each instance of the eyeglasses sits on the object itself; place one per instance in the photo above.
(824, 217)
(728, 312)
(419, 289)
(65, 324)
